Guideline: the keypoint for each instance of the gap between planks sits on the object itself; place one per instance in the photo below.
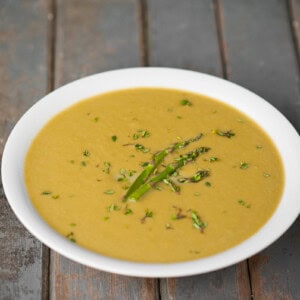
(51, 42)
(144, 31)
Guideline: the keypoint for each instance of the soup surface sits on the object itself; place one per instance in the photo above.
(154, 175)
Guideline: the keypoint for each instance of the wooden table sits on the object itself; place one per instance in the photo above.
(46, 43)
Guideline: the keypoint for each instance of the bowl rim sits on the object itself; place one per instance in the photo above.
(264, 114)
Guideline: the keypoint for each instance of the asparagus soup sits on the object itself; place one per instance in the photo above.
(154, 175)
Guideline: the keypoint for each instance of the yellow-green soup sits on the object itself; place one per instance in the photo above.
(205, 194)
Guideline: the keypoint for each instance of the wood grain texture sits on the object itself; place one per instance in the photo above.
(23, 80)
(94, 36)
(183, 34)
(294, 13)
(261, 54)
(261, 57)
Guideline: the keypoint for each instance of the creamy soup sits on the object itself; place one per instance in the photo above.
(154, 175)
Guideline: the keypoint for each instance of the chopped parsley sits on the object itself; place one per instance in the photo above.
(113, 207)
(109, 192)
(114, 138)
(107, 166)
(86, 153)
(197, 222)
(227, 133)
(244, 165)
(185, 102)
(148, 214)
(46, 193)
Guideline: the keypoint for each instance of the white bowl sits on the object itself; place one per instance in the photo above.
(273, 122)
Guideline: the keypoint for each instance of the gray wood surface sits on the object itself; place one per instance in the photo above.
(23, 80)
(94, 36)
(262, 58)
(183, 34)
(186, 37)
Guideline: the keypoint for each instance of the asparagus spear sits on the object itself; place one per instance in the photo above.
(198, 176)
(169, 170)
(158, 157)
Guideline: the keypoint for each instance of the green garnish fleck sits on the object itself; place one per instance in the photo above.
(197, 194)
(207, 183)
(244, 165)
(113, 207)
(259, 147)
(128, 211)
(141, 148)
(114, 138)
(227, 133)
(72, 224)
(70, 237)
(148, 214)
(107, 166)
(83, 163)
(213, 159)
(109, 192)
(197, 222)
(106, 218)
(86, 153)
(144, 164)
(55, 196)
(141, 133)
(96, 119)
(243, 203)
(46, 193)
(179, 117)
(267, 175)
(179, 215)
(185, 102)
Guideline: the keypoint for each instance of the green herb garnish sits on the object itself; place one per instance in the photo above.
(198, 176)
(109, 192)
(227, 133)
(144, 182)
(107, 166)
(243, 203)
(197, 222)
(185, 102)
(86, 153)
(266, 175)
(179, 215)
(70, 237)
(207, 183)
(213, 159)
(148, 214)
(55, 196)
(114, 138)
(46, 193)
(128, 211)
(244, 165)
(83, 163)
(113, 207)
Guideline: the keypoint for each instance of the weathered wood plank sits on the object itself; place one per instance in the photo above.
(261, 53)
(23, 80)
(94, 36)
(183, 34)
(294, 12)
(261, 56)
